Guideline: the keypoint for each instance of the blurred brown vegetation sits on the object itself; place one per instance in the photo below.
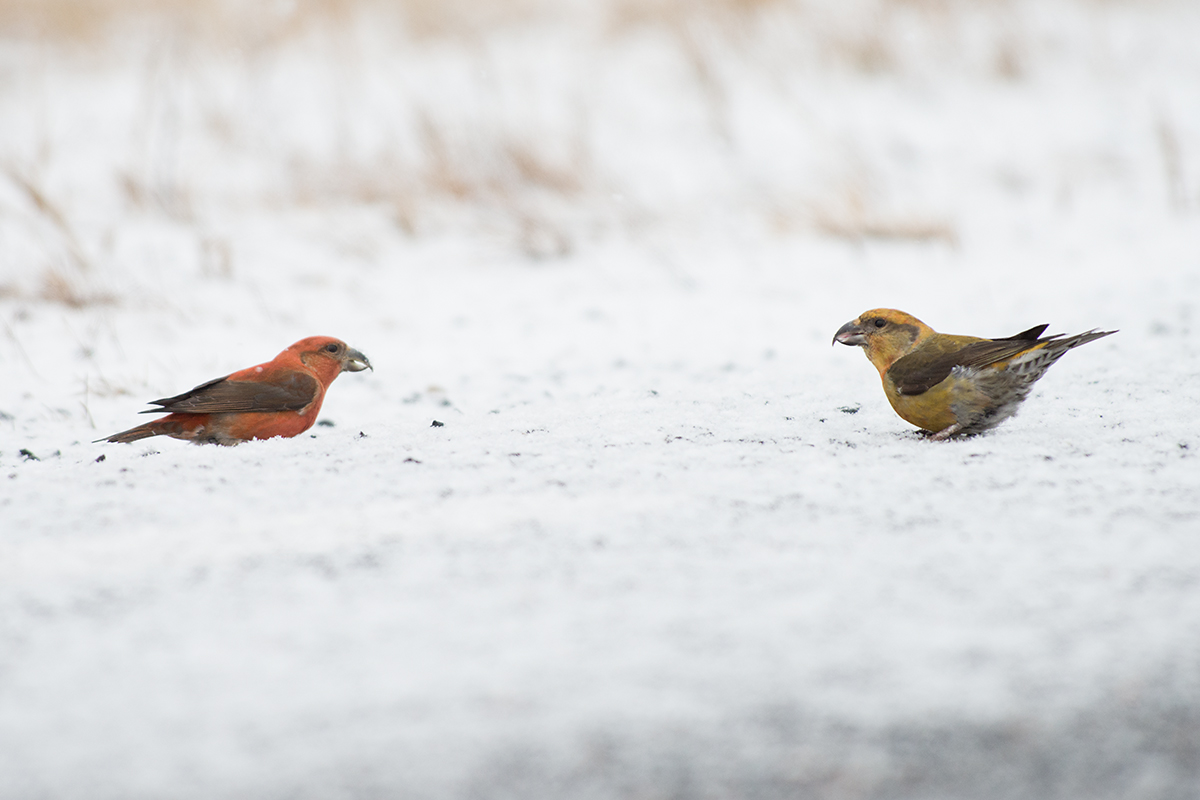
(207, 74)
(82, 21)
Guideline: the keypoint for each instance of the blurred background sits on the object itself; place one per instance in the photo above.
(666, 542)
(143, 138)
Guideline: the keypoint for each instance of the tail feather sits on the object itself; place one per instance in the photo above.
(133, 434)
(1031, 364)
(1081, 338)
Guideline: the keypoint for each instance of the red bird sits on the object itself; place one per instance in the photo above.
(279, 398)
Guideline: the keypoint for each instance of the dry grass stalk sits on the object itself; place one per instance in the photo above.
(498, 180)
(868, 50)
(82, 21)
(1172, 158)
(851, 217)
(1010, 61)
(907, 229)
(60, 288)
(440, 19)
(256, 25)
(50, 211)
(216, 258)
(678, 14)
(103, 387)
(170, 198)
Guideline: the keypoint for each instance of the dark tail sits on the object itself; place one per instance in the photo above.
(132, 435)
(1032, 334)
(1080, 338)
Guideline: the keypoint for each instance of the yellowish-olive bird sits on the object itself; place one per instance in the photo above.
(954, 385)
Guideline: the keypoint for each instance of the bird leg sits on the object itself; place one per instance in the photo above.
(946, 433)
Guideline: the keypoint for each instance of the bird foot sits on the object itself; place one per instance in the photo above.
(945, 433)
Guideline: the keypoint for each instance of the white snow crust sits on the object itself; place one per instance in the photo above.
(667, 542)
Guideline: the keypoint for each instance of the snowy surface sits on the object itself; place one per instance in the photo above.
(667, 542)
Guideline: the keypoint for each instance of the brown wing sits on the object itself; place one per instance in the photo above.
(223, 395)
(919, 372)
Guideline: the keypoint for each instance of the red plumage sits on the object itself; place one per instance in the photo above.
(279, 398)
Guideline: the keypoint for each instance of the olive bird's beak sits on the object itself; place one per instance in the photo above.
(851, 334)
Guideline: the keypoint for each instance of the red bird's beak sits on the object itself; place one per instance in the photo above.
(850, 334)
(356, 362)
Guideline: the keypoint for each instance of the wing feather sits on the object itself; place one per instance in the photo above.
(919, 372)
(222, 395)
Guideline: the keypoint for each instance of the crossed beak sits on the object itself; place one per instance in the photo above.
(851, 334)
(356, 362)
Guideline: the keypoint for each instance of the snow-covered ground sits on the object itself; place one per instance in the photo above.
(667, 542)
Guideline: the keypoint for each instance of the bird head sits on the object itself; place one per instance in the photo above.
(326, 354)
(885, 334)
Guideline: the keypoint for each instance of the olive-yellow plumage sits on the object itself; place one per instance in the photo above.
(952, 385)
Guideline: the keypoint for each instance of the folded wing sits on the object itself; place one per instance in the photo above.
(285, 393)
(918, 372)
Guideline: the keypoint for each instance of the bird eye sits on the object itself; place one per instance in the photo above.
(880, 322)
(331, 348)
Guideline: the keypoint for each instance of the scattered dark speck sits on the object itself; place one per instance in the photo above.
(849, 409)
(28, 456)
(437, 424)
(1183, 446)
(6, 417)
(1047, 458)
(325, 423)
(361, 435)
(312, 436)
(101, 458)
(411, 461)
